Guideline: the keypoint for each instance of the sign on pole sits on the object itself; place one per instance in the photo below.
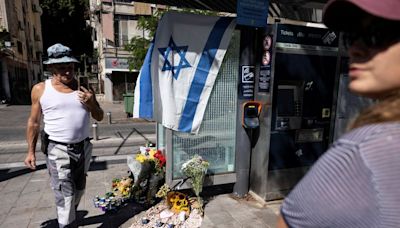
(252, 12)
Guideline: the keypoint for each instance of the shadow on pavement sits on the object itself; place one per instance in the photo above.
(124, 139)
(116, 219)
(7, 174)
(107, 220)
(97, 165)
(49, 224)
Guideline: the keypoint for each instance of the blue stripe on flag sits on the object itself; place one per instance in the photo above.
(201, 74)
(146, 93)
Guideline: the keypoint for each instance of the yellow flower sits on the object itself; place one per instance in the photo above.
(151, 153)
(141, 158)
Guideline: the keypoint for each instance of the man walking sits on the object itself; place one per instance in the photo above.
(65, 107)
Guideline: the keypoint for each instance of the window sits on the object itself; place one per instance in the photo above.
(125, 28)
(19, 47)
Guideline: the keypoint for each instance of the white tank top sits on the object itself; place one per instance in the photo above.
(65, 118)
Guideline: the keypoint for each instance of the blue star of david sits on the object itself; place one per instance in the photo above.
(181, 51)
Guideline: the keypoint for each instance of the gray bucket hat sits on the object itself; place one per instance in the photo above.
(59, 53)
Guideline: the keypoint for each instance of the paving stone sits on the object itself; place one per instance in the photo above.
(3, 216)
(35, 185)
(16, 184)
(27, 201)
(21, 222)
(20, 157)
(3, 184)
(219, 217)
(17, 214)
(207, 223)
(229, 225)
(8, 201)
(267, 218)
(42, 214)
(46, 199)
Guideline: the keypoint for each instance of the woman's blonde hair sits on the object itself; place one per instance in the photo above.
(386, 110)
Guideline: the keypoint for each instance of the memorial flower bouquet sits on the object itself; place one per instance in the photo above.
(155, 157)
(150, 173)
(196, 169)
(118, 196)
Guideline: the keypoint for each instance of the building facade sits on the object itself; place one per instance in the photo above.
(115, 23)
(21, 49)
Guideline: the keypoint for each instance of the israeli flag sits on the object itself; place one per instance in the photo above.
(185, 59)
(143, 95)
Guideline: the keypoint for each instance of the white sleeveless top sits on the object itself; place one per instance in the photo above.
(65, 118)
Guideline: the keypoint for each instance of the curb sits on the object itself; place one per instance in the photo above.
(108, 141)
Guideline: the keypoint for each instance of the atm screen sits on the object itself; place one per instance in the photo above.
(251, 111)
(285, 102)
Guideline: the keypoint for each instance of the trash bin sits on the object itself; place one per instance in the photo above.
(128, 104)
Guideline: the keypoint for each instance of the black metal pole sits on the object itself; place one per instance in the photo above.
(243, 142)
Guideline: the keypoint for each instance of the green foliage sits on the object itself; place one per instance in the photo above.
(53, 7)
(137, 46)
(64, 21)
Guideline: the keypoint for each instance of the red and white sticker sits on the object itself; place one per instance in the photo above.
(266, 58)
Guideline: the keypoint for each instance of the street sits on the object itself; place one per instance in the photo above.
(123, 136)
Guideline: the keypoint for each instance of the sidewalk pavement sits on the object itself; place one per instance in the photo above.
(27, 200)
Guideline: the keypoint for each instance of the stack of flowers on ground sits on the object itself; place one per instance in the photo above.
(175, 210)
(149, 173)
(118, 196)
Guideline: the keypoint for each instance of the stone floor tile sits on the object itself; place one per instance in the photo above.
(17, 184)
(21, 222)
(43, 214)
(35, 185)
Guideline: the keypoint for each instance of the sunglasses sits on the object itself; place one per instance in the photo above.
(376, 35)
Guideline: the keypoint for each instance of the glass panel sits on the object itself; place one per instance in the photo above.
(123, 32)
(216, 139)
(160, 136)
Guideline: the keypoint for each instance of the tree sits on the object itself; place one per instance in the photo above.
(64, 21)
(138, 45)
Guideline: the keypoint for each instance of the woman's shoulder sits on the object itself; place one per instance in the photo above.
(370, 132)
(376, 144)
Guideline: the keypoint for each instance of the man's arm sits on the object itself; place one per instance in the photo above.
(88, 98)
(33, 125)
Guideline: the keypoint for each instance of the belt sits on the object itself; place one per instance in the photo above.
(70, 144)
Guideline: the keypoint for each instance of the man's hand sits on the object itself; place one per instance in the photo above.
(85, 96)
(30, 161)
